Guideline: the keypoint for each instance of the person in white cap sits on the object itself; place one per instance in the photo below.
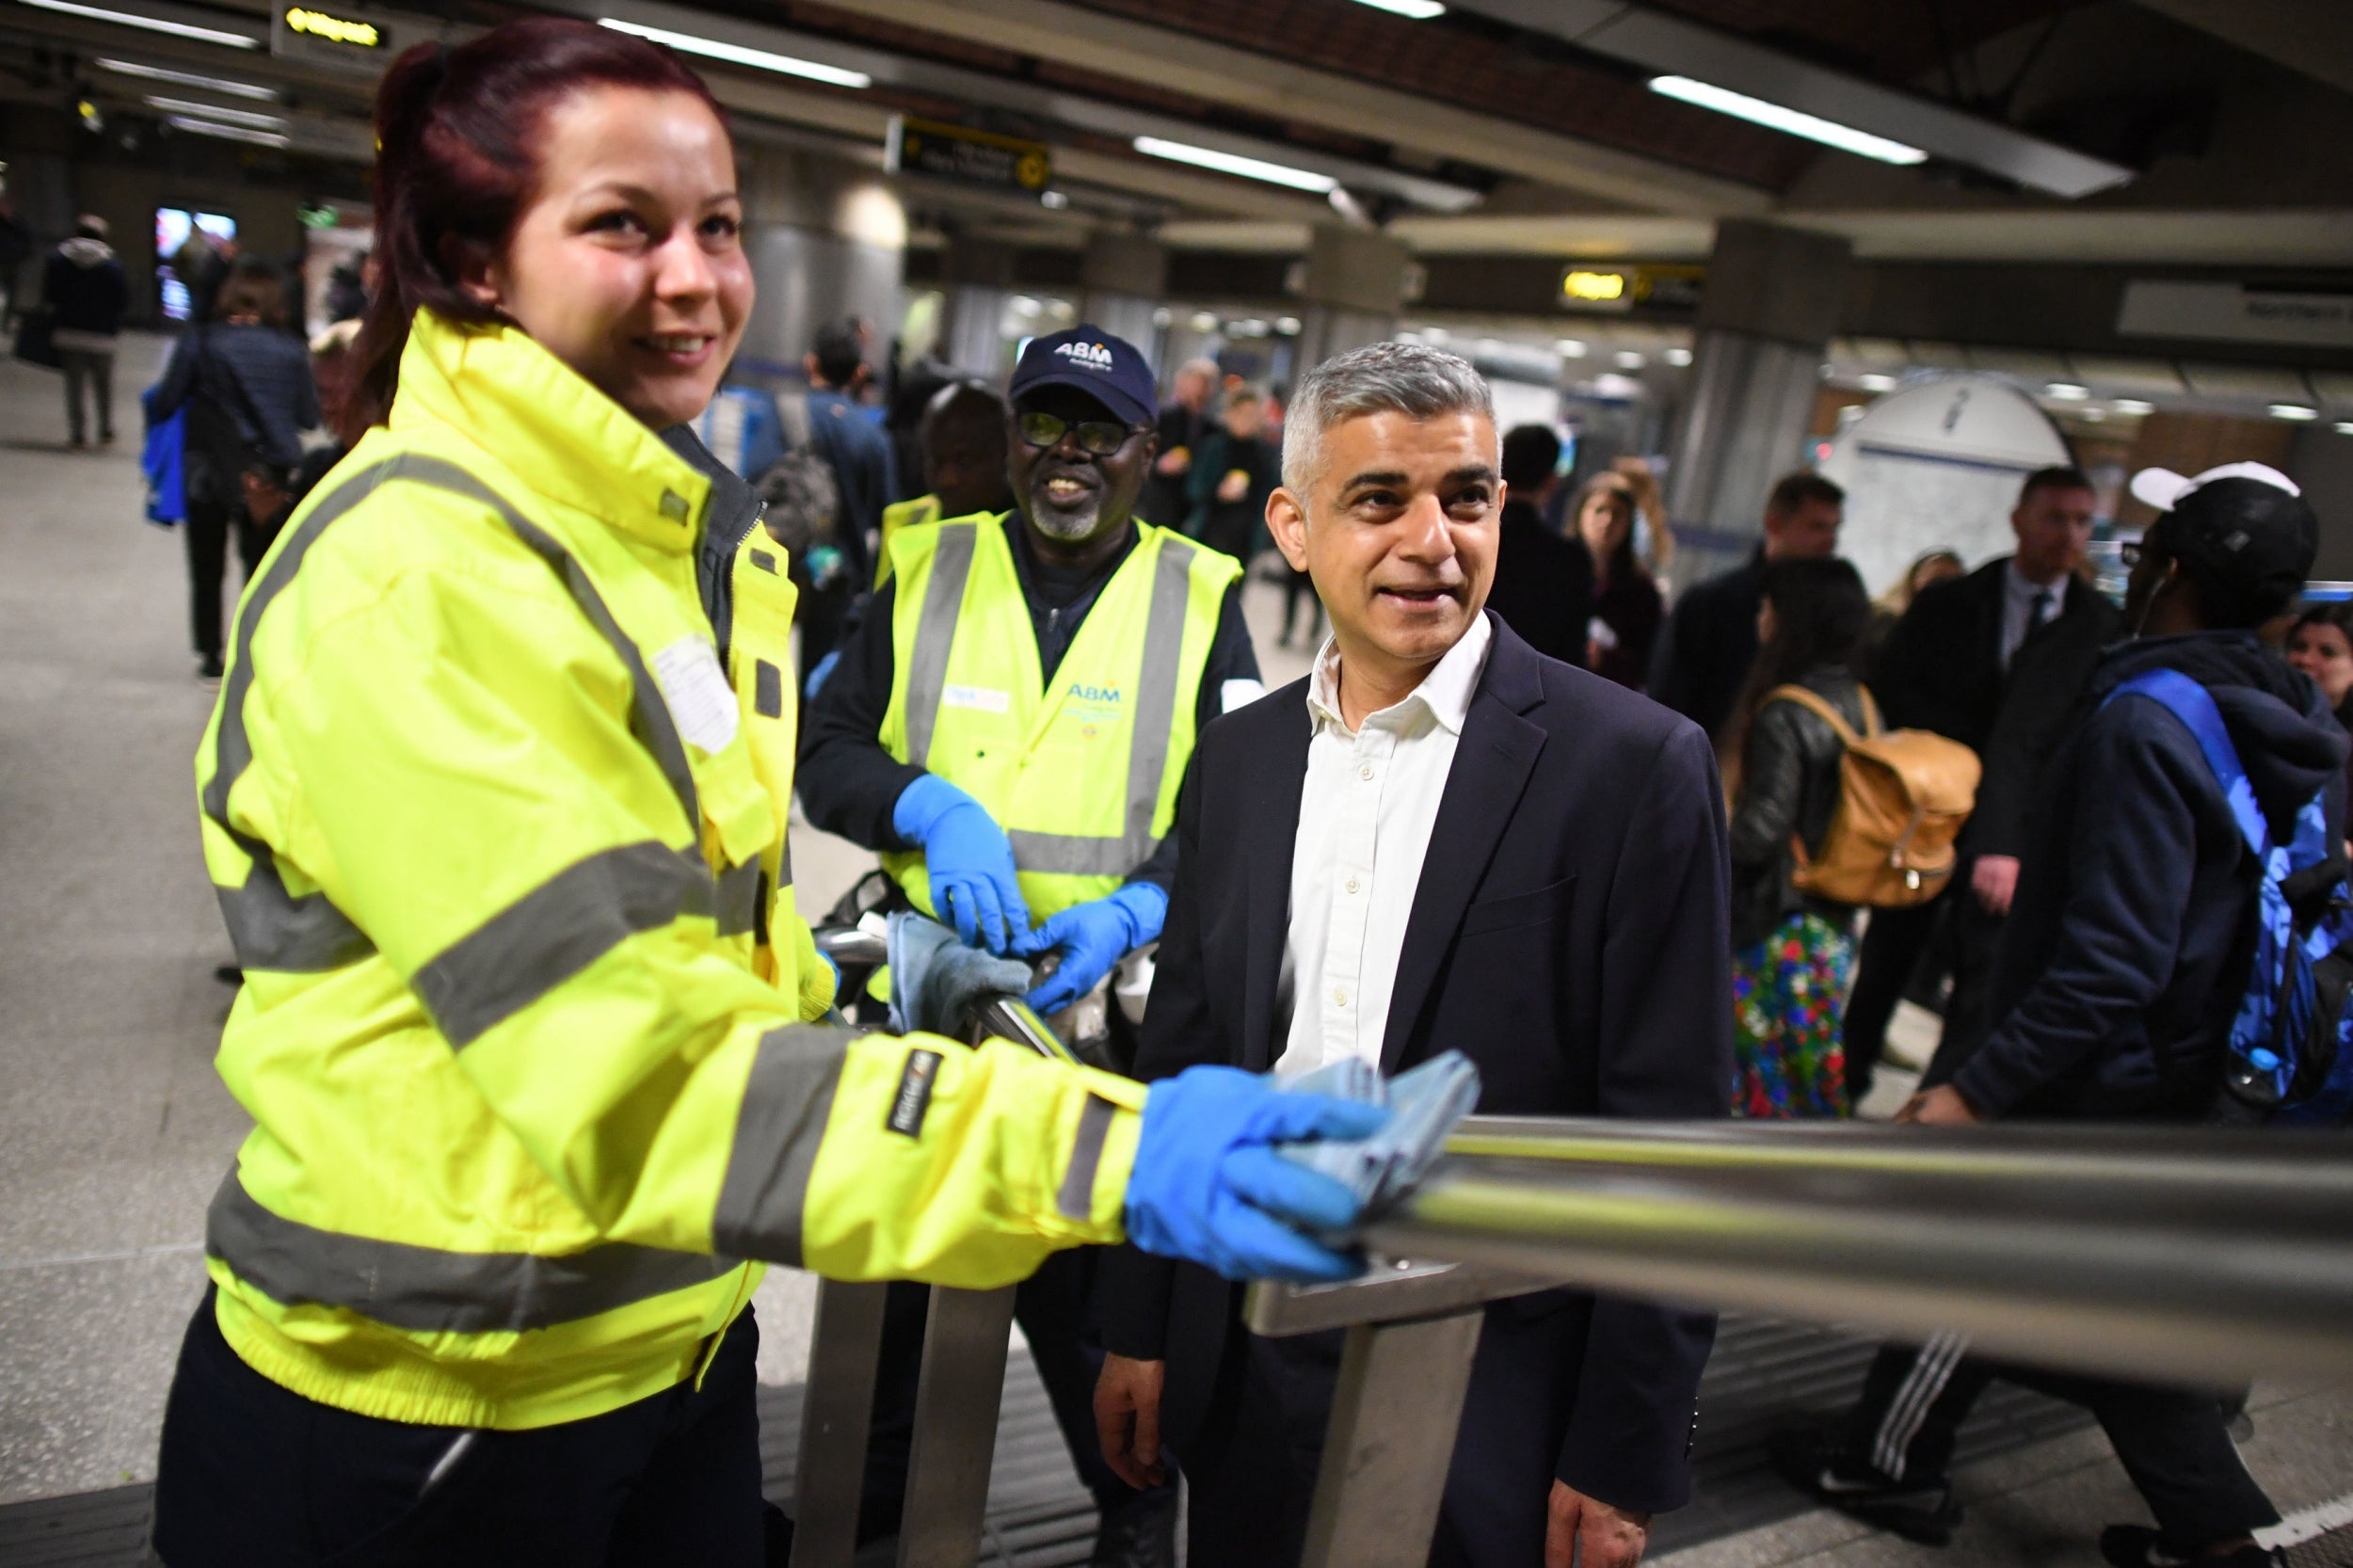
(2117, 982)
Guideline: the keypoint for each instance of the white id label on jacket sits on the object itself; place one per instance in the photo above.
(695, 690)
(986, 699)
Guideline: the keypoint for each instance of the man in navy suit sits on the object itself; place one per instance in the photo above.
(1438, 839)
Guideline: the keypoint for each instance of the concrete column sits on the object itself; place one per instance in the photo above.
(976, 278)
(827, 240)
(1770, 307)
(1354, 284)
(1124, 279)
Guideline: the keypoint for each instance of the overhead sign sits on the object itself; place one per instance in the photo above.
(973, 158)
(2233, 312)
(1620, 290)
(341, 38)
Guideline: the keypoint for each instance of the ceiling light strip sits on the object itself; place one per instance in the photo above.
(1420, 11)
(1796, 122)
(152, 23)
(737, 54)
(188, 79)
(228, 133)
(1234, 163)
(213, 111)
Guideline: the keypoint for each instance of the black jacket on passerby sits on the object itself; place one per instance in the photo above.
(2122, 961)
(1788, 790)
(84, 283)
(259, 377)
(1231, 526)
(1164, 501)
(1544, 584)
(1708, 644)
(1942, 670)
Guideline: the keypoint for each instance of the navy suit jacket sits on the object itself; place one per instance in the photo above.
(1569, 937)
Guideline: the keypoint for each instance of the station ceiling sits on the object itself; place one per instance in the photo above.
(2197, 132)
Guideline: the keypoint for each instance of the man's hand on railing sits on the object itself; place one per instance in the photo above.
(1127, 1419)
(1092, 937)
(1609, 1537)
(1209, 1187)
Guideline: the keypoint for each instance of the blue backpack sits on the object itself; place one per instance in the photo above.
(2291, 1053)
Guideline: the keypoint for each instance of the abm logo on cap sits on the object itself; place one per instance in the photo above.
(1092, 355)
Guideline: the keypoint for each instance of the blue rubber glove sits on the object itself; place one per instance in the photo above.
(818, 676)
(1209, 1187)
(1093, 936)
(969, 861)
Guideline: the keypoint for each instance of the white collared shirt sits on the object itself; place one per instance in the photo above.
(2018, 597)
(1366, 810)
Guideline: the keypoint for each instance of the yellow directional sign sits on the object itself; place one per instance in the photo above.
(974, 158)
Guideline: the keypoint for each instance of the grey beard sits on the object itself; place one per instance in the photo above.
(1067, 525)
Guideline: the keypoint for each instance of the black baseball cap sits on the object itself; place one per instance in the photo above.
(1106, 368)
(2243, 524)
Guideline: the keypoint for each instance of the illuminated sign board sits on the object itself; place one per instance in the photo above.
(1618, 290)
(344, 39)
(972, 157)
(1593, 288)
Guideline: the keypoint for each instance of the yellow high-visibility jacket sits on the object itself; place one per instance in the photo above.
(501, 843)
(1083, 776)
(901, 514)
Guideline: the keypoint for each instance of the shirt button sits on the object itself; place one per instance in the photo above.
(1351, 884)
(1340, 997)
(1365, 772)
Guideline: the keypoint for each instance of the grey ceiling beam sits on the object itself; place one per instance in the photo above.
(1671, 45)
(2312, 36)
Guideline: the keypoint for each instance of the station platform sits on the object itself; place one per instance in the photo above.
(114, 1129)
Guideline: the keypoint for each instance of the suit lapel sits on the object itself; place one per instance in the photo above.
(1496, 753)
(1270, 834)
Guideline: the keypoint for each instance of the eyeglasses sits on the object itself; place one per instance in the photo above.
(1099, 437)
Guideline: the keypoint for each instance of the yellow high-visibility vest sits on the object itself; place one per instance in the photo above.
(1084, 778)
(898, 514)
(528, 1029)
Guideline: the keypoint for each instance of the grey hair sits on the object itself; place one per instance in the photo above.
(1383, 378)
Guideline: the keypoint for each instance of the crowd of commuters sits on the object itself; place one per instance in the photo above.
(1570, 840)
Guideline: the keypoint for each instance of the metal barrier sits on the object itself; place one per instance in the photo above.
(2194, 1255)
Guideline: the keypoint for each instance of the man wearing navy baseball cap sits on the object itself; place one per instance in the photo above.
(1008, 731)
(2119, 974)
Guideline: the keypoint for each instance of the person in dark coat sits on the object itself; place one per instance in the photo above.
(1543, 587)
(2321, 644)
(251, 395)
(1440, 840)
(2119, 975)
(1235, 470)
(1792, 950)
(1628, 608)
(1997, 660)
(1186, 419)
(1710, 640)
(84, 283)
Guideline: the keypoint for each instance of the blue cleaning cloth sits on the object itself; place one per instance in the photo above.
(935, 979)
(1424, 1104)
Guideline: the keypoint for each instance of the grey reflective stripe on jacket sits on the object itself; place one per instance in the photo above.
(550, 933)
(433, 1289)
(1063, 854)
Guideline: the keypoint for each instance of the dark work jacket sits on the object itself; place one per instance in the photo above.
(1568, 936)
(1630, 605)
(2123, 957)
(1788, 790)
(1164, 500)
(843, 432)
(849, 784)
(1544, 584)
(1231, 526)
(1708, 644)
(84, 283)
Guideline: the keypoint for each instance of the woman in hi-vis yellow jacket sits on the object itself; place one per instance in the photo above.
(495, 802)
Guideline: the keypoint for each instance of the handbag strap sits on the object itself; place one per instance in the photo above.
(1821, 707)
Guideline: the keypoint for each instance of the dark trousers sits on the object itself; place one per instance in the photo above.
(1054, 1307)
(2174, 1443)
(1973, 938)
(207, 529)
(95, 373)
(254, 1475)
(1251, 1472)
(1892, 949)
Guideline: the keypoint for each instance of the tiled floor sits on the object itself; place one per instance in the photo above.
(114, 1129)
